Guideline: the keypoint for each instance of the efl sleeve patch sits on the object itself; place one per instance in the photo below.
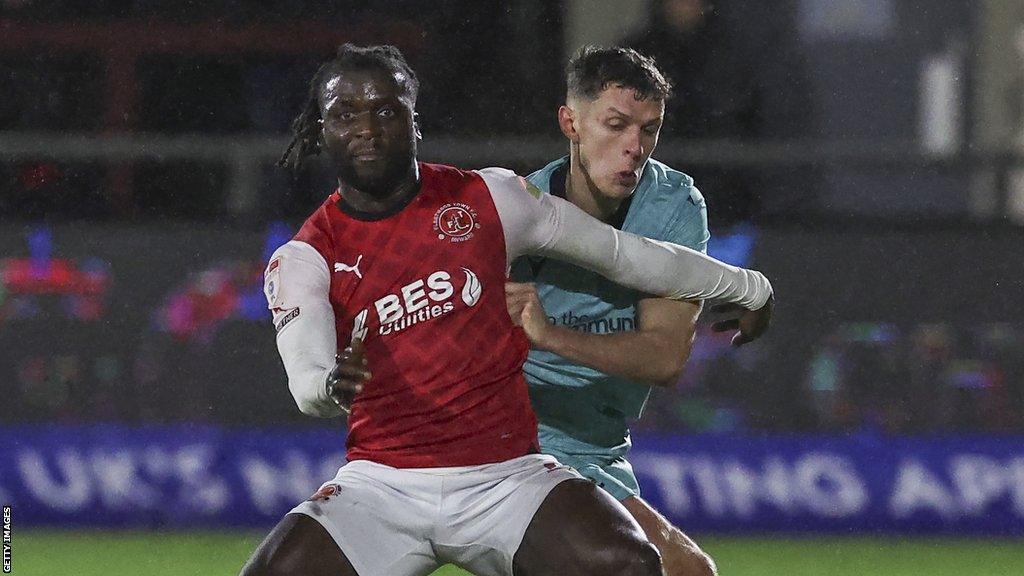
(272, 283)
(280, 323)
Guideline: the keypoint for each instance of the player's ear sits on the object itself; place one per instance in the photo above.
(416, 125)
(567, 122)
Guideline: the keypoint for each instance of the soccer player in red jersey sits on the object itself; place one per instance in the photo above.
(403, 268)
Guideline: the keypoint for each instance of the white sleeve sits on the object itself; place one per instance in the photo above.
(538, 223)
(297, 284)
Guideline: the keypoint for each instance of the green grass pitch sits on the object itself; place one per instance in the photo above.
(82, 553)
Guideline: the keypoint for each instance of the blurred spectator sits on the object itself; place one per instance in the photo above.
(40, 92)
(714, 95)
(925, 379)
(41, 189)
(936, 377)
(50, 94)
(729, 83)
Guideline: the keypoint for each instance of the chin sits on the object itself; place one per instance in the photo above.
(377, 186)
(616, 190)
(378, 179)
(371, 177)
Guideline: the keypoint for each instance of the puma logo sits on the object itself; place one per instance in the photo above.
(342, 267)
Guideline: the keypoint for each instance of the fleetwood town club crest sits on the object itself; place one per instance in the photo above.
(325, 492)
(455, 221)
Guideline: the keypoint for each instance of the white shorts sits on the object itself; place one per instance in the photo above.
(395, 522)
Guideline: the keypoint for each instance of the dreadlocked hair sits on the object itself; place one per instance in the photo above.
(306, 127)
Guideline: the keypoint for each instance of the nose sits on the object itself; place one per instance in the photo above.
(367, 127)
(634, 146)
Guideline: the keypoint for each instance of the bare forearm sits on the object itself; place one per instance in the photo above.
(640, 356)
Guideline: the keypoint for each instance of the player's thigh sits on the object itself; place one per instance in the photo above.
(298, 546)
(680, 555)
(379, 517)
(580, 529)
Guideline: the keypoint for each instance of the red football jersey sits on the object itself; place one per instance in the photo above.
(424, 288)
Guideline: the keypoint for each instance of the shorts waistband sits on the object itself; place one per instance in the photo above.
(456, 470)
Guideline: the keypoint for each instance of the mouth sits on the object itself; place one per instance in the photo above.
(368, 155)
(626, 178)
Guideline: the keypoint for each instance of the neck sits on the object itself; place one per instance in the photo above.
(379, 201)
(581, 190)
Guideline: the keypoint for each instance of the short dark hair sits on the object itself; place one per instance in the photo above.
(592, 69)
(306, 126)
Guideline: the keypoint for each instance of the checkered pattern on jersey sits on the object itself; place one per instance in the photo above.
(447, 387)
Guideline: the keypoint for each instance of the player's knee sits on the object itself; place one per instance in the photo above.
(688, 561)
(255, 566)
(704, 565)
(258, 566)
(636, 558)
(681, 556)
(267, 563)
(646, 562)
(708, 565)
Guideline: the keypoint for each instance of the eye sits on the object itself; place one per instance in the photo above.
(386, 112)
(652, 130)
(616, 124)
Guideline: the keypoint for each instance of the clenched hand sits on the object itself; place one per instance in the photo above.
(750, 323)
(526, 310)
(348, 376)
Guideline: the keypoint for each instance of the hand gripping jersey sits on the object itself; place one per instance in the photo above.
(423, 286)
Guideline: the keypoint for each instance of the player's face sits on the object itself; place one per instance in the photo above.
(616, 135)
(369, 129)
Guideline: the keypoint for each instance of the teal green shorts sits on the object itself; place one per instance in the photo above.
(606, 467)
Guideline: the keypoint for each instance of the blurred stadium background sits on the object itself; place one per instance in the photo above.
(865, 154)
